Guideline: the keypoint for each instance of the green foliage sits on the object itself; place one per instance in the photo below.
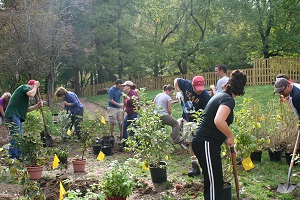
(117, 181)
(30, 149)
(33, 124)
(77, 195)
(63, 121)
(247, 128)
(91, 127)
(150, 142)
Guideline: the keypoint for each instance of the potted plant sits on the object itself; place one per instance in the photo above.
(150, 141)
(117, 182)
(31, 146)
(90, 127)
(62, 154)
(272, 129)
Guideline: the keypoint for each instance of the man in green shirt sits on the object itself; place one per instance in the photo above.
(17, 109)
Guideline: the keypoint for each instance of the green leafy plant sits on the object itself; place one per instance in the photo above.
(150, 141)
(63, 122)
(91, 126)
(30, 145)
(117, 180)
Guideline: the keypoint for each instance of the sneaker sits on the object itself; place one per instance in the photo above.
(195, 171)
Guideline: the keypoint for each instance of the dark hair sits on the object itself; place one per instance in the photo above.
(118, 81)
(132, 86)
(222, 67)
(236, 83)
(282, 76)
(168, 87)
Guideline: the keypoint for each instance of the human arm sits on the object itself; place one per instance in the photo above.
(170, 107)
(33, 91)
(220, 122)
(1, 111)
(179, 95)
(34, 107)
(115, 103)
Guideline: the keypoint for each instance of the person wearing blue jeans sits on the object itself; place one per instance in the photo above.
(130, 95)
(16, 112)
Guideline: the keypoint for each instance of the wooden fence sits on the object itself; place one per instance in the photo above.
(263, 72)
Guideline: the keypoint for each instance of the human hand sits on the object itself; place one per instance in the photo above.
(123, 94)
(37, 83)
(230, 141)
(121, 104)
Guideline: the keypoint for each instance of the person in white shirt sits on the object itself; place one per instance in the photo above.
(220, 71)
(163, 103)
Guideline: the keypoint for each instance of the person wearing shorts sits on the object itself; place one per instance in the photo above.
(115, 107)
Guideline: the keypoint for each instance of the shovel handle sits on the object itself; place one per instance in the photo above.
(233, 160)
(42, 111)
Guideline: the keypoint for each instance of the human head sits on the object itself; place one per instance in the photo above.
(221, 70)
(236, 83)
(128, 85)
(6, 96)
(61, 92)
(198, 83)
(169, 89)
(280, 86)
(30, 83)
(282, 76)
(118, 83)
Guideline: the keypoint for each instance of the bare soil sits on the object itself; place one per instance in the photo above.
(49, 183)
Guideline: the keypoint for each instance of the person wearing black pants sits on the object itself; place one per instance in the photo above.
(213, 130)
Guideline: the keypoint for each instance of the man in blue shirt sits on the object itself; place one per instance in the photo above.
(114, 107)
(72, 103)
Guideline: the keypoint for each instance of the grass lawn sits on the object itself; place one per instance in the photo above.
(258, 183)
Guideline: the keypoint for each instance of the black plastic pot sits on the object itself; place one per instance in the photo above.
(159, 173)
(96, 149)
(107, 150)
(288, 158)
(275, 156)
(226, 195)
(256, 156)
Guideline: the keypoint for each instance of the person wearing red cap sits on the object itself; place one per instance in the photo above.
(17, 109)
(220, 71)
(194, 98)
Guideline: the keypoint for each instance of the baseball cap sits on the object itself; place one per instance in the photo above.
(198, 83)
(127, 83)
(279, 84)
(31, 82)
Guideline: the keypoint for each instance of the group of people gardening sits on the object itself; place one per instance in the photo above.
(213, 129)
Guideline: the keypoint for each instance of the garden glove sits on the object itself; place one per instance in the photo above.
(179, 96)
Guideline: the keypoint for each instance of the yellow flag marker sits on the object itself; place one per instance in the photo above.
(103, 120)
(145, 166)
(55, 162)
(62, 191)
(101, 156)
(248, 164)
(68, 132)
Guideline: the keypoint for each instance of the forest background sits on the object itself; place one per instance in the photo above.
(76, 43)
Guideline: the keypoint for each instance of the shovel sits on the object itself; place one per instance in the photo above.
(286, 188)
(47, 137)
(233, 160)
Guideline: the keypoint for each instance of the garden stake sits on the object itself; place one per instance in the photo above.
(48, 137)
(233, 160)
(286, 188)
